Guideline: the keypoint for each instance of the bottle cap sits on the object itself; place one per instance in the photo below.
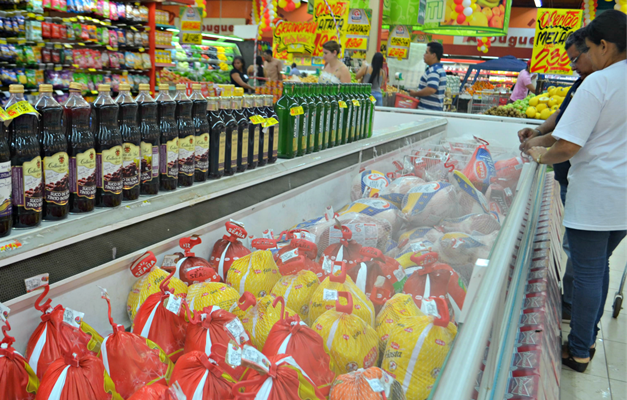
(195, 86)
(144, 86)
(239, 91)
(164, 87)
(76, 86)
(104, 88)
(16, 88)
(180, 86)
(124, 87)
(45, 88)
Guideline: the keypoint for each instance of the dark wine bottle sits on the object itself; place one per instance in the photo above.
(131, 142)
(169, 154)
(149, 131)
(201, 131)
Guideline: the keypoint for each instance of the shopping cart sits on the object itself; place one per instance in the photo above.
(618, 297)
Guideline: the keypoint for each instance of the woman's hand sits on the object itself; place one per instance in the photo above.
(537, 152)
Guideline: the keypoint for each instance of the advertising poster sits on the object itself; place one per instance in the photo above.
(553, 27)
(332, 20)
(191, 23)
(358, 29)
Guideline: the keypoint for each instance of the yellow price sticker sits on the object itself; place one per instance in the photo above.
(270, 122)
(401, 42)
(342, 104)
(68, 46)
(31, 15)
(73, 19)
(92, 70)
(125, 73)
(21, 40)
(40, 44)
(190, 26)
(58, 67)
(256, 119)
(94, 92)
(192, 38)
(40, 18)
(141, 49)
(4, 116)
(110, 48)
(75, 65)
(294, 111)
(19, 108)
(356, 103)
(3, 41)
(81, 44)
(133, 28)
(373, 100)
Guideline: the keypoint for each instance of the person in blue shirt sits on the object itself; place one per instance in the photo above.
(433, 82)
(295, 71)
(530, 137)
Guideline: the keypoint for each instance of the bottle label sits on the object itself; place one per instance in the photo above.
(234, 149)
(146, 162)
(321, 132)
(169, 158)
(334, 126)
(130, 165)
(275, 142)
(201, 153)
(83, 174)
(56, 178)
(110, 174)
(155, 161)
(353, 123)
(340, 125)
(245, 146)
(257, 119)
(5, 189)
(256, 146)
(373, 100)
(342, 104)
(349, 124)
(312, 128)
(28, 185)
(356, 103)
(222, 151)
(186, 155)
(303, 143)
(295, 138)
(266, 142)
(20, 108)
(327, 130)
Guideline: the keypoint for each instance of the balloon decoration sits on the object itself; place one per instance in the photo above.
(483, 44)
(621, 5)
(589, 10)
(463, 11)
(289, 5)
(264, 14)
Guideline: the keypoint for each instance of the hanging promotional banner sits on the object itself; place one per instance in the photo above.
(358, 29)
(190, 19)
(295, 37)
(483, 18)
(332, 19)
(399, 41)
(553, 27)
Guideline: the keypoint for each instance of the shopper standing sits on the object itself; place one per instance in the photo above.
(273, 67)
(540, 136)
(295, 70)
(375, 75)
(334, 70)
(259, 66)
(238, 76)
(433, 82)
(591, 134)
(523, 84)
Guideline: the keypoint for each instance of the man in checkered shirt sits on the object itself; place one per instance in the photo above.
(433, 82)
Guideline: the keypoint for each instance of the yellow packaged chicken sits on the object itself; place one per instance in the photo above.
(350, 341)
(401, 305)
(260, 316)
(255, 273)
(417, 348)
(149, 284)
(324, 298)
(297, 286)
(201, 295)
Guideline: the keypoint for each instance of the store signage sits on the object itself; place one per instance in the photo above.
(332, 19)
(553, 27)
(358, 29)
(295, 37)
(434, 11)
(190, 20)
(399, 41)
(516, 37)
(221, 26)
(489, 18)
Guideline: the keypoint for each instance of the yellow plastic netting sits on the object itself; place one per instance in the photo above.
(260, 318)
(362, 306)
(255, 273)
(297, 291)
(399, 306)
(149, 284)
(415, 352)
(201, 295)
(366, 384)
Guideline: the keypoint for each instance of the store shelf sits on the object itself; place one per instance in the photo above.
(164, 65)
(161, 26)
(164, 46)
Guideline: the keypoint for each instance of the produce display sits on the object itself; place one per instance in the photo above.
(378, 321)
(207, 63)
(541, 106)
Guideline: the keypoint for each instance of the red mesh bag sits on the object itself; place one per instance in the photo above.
(480, 168)
(508, 171)
(212, 326)
(158, 391)
(156, 322)
(77, 378)
(18, 381)
(131, 360)
(290, 336)
(200, 377)
(375, 264)
(305, 248)
(191, 269)
(228, 249)
(346, 250)
(434, 279)
(53, 338)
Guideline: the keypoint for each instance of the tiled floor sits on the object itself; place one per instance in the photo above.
(606, 376)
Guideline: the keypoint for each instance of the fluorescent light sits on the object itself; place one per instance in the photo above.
(538, 3)
(223, 37)
(489, 57)
(172, 30)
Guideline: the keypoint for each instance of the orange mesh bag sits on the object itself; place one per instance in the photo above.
(228, 249)
(292, 336)
(161, 320)
(200, 377)
(18, 381)
(77, 378)
(260, 317)
(61, 331)
(158, 391)
(131, 360)
(350, 341)
(212, 326)
(296, 286)
(202, 295)
(417, 348)
(366, 384)
(255, 273)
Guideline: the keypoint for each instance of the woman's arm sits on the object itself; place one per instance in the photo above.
(362, 71)
(239, 81)
(385, 78)
(560, 152)
(345, 75)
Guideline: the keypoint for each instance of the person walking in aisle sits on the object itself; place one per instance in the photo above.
(433, 82)
(334, 70)
(592, 135)
(273, 67)
(238, 76)
(295, 71)
(375, 75)
(530, 137)
(523, 84)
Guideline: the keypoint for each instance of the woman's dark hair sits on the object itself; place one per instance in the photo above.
(332, 46)
(242, 61)
(293, 65)
(377, 64)
(610, 26)
(259, 66)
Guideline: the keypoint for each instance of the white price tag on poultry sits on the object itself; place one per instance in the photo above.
(375, 385)
(236, 329)
(4, 312)
(429, 307)
(289, 255)
(269, 234)
(327, 264)
(174, 304)
(364, 234)
(255, 357)
(400, 273)
(329, 213)
(329, 295)
(308, 236)
(73, 318)
(234, 355)
(36, 282)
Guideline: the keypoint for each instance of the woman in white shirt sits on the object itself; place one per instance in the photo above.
(334, 70)
(592, 134)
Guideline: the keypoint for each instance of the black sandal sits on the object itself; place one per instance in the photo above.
(572, 363)
(592, 350)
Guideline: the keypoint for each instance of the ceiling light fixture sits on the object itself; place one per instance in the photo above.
(538, 3)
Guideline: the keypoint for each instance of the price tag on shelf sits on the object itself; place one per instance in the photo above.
(59, 92)
(294, 111)
(58, 46)
(67, 46)
(110, 48)
(342, 104)
(124, 73)
(58, 67)
(75, 65)
(92, 70)
(256, 119)
(40, 18)
(3, 41)
(94, 92)
(141, 49)
(270, 122)
(81, 44)
(356, 103)
(31, 15)
(40, 44)
(73, 19)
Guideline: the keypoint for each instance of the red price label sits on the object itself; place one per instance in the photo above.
(397, 52)
(356, 44)
(550, 61)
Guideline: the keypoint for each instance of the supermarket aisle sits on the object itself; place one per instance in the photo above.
(606, 376)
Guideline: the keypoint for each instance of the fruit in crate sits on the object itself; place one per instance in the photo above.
(505, 111)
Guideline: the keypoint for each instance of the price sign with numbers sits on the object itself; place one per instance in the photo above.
(357, 44)
(192, 38)
(190, 24)
(399, 42)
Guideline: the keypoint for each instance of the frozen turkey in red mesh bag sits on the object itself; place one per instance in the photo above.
(481, 223)
(345, 250)
(161, 319)
(131, 360)
(229, 248)
(305, 247)
(191, 269)
(158, 391)
(508, 171)
(211, 326)
(432, 278)
(74, 377)
(61, 331)
(293, 337)
(201, 377)
(18, 381)
(398, 188)
(375, 264)
(428, 204)
(365, 231)
(376, 208)
(368, 184)
(457, 248)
